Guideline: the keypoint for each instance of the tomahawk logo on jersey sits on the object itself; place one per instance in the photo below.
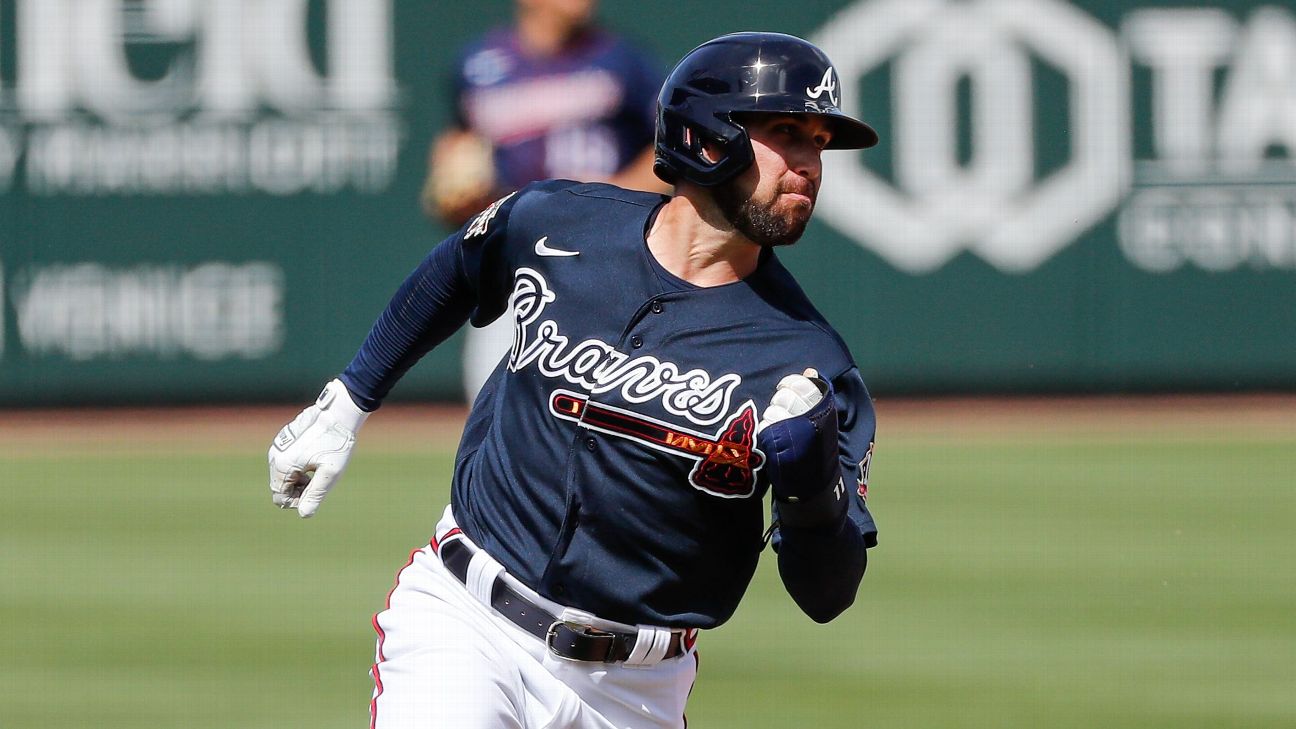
(726, 462)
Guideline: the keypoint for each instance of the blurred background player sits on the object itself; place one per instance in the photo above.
(553, 96)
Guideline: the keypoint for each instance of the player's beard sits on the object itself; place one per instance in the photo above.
(759, 221)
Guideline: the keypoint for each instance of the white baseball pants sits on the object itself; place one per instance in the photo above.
(446, 659)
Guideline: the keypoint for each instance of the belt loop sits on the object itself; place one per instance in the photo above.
(482, 573)
(650, 646)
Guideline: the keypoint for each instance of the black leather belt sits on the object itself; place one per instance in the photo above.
(572, 641)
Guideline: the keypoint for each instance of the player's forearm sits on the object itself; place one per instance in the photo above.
(432, 303)
(820, 548)
(822, 567)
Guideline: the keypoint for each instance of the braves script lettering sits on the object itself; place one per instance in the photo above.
(597, 367)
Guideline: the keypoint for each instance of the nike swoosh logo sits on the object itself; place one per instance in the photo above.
(543, 250)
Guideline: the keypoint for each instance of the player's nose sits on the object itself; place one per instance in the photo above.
(806, 161)
(808, 165)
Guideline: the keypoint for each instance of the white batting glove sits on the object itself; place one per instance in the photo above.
(794, 395)
(309, 454)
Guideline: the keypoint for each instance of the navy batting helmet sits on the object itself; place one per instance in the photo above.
(744, 72)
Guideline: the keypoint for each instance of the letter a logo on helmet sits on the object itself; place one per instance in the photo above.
(827, 83)
(743, 73)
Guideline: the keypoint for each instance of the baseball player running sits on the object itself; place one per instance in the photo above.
(666, 372)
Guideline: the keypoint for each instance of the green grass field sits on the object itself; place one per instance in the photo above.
(1107, 578)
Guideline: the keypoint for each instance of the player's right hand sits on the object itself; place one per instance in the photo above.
(309, 454)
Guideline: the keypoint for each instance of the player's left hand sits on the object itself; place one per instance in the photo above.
(798, 433)
(310, 454)
(794, 395)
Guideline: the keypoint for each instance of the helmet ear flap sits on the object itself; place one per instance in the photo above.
(663, 170)
(681, 148)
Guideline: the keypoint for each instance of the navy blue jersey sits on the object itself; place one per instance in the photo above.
(584, 112)
(611, 461)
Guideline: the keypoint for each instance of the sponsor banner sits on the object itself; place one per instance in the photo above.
(211, 311)
(1212, 186)
(181, 97)
(164, 164)
(213, 200)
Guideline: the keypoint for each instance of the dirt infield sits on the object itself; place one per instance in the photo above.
(402, 427)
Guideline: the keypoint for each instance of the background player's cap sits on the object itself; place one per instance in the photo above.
(744, 73)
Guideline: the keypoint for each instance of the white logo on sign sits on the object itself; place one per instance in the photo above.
(827, 83)
(213, 311)
(542, 249)
(993, 204)
(1222, 99)
(232, 111)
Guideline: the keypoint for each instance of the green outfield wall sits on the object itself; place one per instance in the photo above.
(213, 200)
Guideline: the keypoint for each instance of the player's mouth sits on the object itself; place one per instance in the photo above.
(798, 203)
(801, 192)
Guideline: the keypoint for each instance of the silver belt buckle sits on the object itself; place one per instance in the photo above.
(552, 634)
(581, 628)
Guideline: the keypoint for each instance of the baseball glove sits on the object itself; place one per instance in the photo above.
(461, 177)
